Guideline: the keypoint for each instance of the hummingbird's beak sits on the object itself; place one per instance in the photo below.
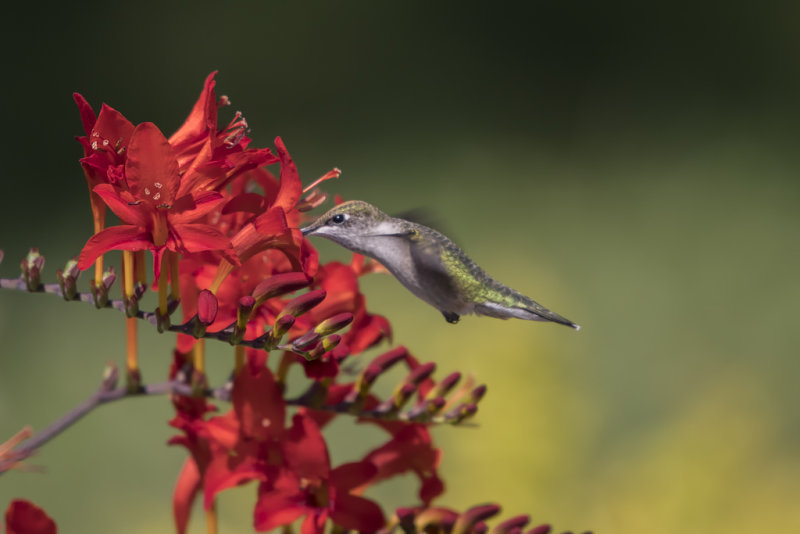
(305, 231)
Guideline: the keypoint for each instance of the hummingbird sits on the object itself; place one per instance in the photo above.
(427, 263)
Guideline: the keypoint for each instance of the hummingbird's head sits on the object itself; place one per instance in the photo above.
(351, 224)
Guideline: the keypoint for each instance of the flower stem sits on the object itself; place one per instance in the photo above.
(238, 359)
(127, 273)
(131, 359)
(140, 267)
(162, 285)
(99, 219)
(199, 351)
(174, 275)
(211, 519)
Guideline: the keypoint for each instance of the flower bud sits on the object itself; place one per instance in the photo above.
(306, 341)
(279, 284)
(281, 326)
(207, 306)
(444, 386)
(303, 303)
(460, 413)
(509, 525)
(244, 309)
(109, 277)
(541, 529)
(323, 346)
(32, 267)
(477, 394)
(402, 394)
(469, 519)
(334, 324)
(68, 278)
(421, 373)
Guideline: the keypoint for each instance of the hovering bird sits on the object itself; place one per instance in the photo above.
(427, 263)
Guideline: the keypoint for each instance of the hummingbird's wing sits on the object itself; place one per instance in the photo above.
(429, 257)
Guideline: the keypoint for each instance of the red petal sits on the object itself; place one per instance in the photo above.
(139, 214)
(276, 508)
(201, 120)
(113, 127)
(88, 118)
(152, 168)
(357, 513)
(225, 472)
(24, 517)
(314, 523)
(125, 237)
(247, 202)
(272, 222)
(291, 188)
(348, 476)
(186, 490)
(202, 203)
(258, 402)
(370, 331)
(305, 449)
(199, 237)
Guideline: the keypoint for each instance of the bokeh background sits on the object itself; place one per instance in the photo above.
(633, 166)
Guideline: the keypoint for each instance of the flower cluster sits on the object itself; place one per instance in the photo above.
(222, 229)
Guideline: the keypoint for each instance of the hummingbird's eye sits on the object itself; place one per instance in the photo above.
(339, 218)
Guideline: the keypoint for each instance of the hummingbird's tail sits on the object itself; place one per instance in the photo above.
(529, 310)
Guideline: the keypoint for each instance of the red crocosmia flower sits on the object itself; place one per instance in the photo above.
(158, 218)
(105, 144)
(410, 449)
(235, 448)
(309, 487)
(24, 517)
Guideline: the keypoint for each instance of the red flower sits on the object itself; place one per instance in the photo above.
(309, 487)
(410, 449)
(159, 216)
(24, 517)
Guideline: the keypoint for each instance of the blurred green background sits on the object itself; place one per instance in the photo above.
(633, 166)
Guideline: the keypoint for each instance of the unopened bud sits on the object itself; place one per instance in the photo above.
(402, 394)
(541, 529)
(423, 411)
(244, 309)
(509, 525)
(131, 305)
(279, 284)
(324, 346)
(207, 306)
(99, 294)
(469, 519)
(281, 326)
(32, 267)
(303, 303)
(67, 280)
(334, 324)
(109, 277)
(461, 412)
(306, 341)
(421, 373)
(477, 394)
(444, 386)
